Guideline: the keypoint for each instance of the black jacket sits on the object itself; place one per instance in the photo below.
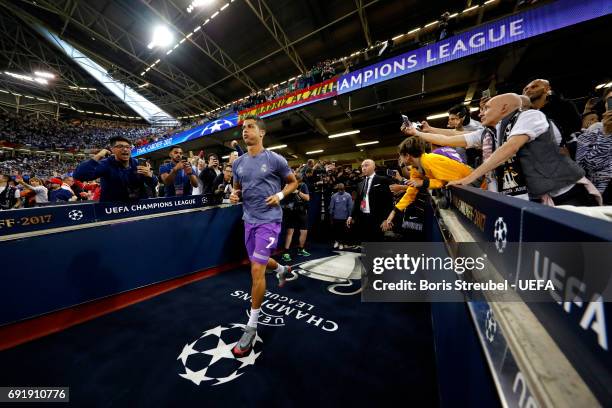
(208, 176)
(380, 198)
(564, 114)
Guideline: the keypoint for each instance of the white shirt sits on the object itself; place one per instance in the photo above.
(473, 126)
(532, 123)
(368, 184)
(200, 188)
(41, 194)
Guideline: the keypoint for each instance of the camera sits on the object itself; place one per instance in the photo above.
(409, 124)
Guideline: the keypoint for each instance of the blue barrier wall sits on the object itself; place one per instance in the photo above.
(60, 270)
(579, 328)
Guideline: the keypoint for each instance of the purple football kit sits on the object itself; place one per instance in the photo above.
(260, 177)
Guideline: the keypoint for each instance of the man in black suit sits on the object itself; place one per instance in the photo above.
(372, 203)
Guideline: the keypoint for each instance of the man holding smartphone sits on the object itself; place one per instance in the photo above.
(178, 176)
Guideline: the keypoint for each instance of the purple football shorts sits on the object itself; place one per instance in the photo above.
(260, 240)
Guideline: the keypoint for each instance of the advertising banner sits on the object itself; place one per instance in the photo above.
(111, 211)
(322, 90)
(42, 218)
(517, 27)
(205, 129)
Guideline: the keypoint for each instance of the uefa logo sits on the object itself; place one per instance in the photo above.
(75, 215)
(209, 359)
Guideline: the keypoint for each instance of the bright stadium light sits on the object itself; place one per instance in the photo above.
(445, 114)
(198, 3)
(315, 152)
(351, 132)
(44, 74)
(367, 143)
(27, 78)
(162, 37)
(277, 147)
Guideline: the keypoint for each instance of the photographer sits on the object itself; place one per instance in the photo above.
(178, 176)
(224, 183)
(295, 216)
(210, 173)
(121, 178)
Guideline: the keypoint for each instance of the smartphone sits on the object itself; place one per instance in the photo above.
(142, 162)
(486, 94)
(406, 121)
(609, 104)
(390, 172)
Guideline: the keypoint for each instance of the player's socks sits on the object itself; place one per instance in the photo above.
(253, 318)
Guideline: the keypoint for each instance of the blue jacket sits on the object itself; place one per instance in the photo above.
(117, 183)
(340, 206)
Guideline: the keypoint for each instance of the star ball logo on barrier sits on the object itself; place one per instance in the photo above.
(217, 126)
(75, 215)
(500, 234)
(490, 326)
(210, 359)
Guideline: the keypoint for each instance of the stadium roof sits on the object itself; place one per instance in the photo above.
(220, 53)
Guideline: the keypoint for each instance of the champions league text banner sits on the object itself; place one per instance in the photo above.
(45, 218)
(110, 211)
(303, 97)
(544, 19)
(559, 14)
(206, 129)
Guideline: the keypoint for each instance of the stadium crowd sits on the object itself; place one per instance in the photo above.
(18, 130)
(535, 146)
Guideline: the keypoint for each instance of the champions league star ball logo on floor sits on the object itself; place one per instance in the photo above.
(217, 126)
(500, 233)
(210, 360)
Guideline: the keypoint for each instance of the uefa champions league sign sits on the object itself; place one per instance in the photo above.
(507, 30)
(206, 129)
(530, 23)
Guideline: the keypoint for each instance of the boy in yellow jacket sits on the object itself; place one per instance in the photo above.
(429, 171)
